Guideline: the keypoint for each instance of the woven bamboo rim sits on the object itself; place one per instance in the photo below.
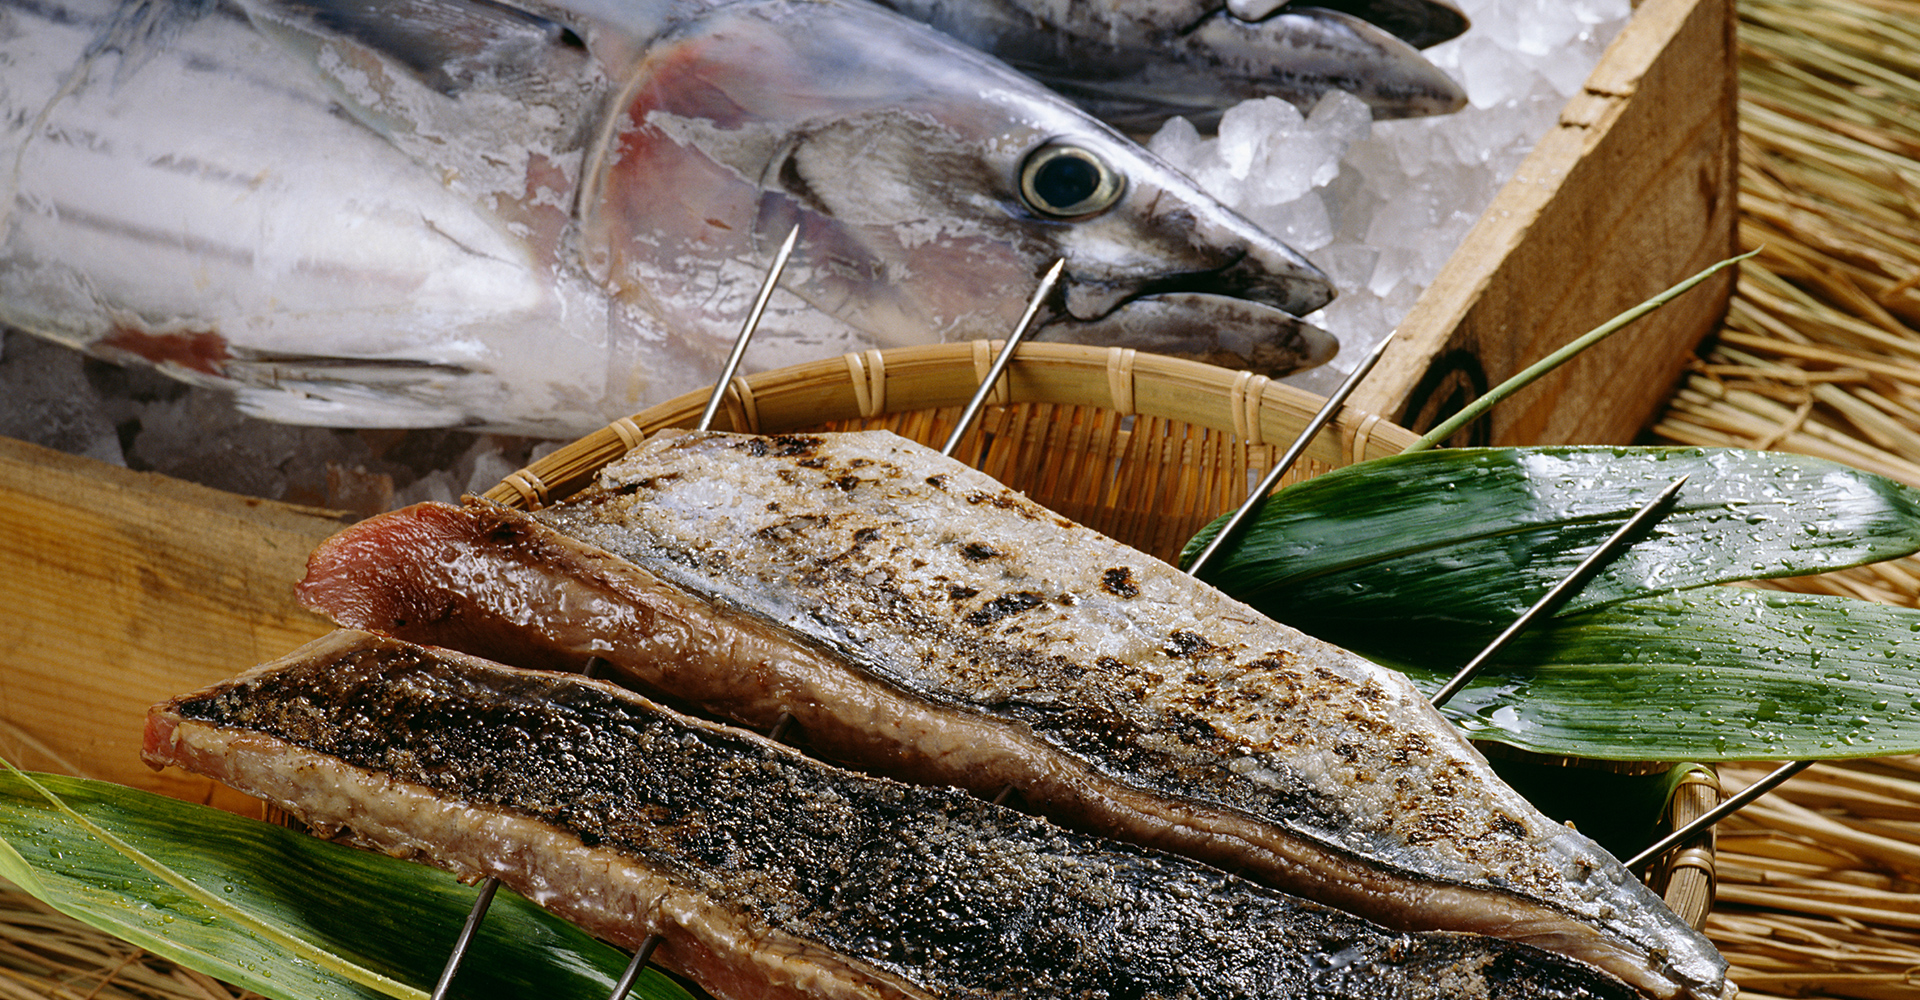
(1141, 447)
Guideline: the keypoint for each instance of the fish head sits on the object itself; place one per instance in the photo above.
(1136, 64)
(932, 187)
(1419, 23)
(1311, 50)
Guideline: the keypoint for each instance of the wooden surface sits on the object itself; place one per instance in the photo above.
(924, 387)
(1632, 191)
(125, 588)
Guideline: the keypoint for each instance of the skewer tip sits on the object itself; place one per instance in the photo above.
(1000, 361)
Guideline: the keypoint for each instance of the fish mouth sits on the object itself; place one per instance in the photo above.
(1420, 23)
(1209, 327)
(1255, 268)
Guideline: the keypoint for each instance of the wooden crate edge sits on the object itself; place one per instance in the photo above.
(1612, 206)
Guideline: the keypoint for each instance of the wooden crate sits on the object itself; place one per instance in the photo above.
(1634, 189)
(124, 588)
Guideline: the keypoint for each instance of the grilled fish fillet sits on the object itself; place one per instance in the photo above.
(767, 873)
(920, 619)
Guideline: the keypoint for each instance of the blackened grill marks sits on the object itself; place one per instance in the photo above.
(1007, 500)
(795, 445)
(1118, 581)
(951, 894)
(1187, 645)
(780, 445)
(650, 484)
(1004, 606)
(977, 552)
(797, 525)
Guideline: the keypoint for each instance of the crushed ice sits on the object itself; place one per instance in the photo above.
(1380, 206)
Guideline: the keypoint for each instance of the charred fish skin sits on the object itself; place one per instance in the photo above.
(770, 874)
(941, 582)
(898, 605)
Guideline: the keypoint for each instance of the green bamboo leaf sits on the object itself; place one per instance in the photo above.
(1715, 674)
(1461, 541)
(279, 912)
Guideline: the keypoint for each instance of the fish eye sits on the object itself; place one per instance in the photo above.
(1068, 182)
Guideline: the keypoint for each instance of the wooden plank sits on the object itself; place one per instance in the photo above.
(1633, 190)
(124, 588)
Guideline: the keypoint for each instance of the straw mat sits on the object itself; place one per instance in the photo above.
(1820, 355)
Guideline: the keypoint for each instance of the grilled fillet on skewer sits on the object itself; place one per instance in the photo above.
(920, 619)
(771, 875)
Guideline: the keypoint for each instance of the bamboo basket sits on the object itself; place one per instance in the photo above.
(1144, 448)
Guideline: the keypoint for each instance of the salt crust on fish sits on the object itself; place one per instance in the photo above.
(953, 631)
(769, 874)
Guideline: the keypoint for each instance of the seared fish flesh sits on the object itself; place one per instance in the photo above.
(919, 618)
(770, 875)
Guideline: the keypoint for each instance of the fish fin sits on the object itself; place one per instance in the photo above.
(450, 46)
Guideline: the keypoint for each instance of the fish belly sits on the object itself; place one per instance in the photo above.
(191, 194)
(920, 619)
(765, 873)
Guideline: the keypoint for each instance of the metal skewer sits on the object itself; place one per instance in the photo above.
(1006, 354)
(1292, 455)
(747, 329)
(490, 884)
(1573, 581)
(641, 956)
(1722, 811)
(972, 410)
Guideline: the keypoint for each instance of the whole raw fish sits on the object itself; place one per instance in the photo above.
(1420, 23)
(539, 217)
(1136, 63)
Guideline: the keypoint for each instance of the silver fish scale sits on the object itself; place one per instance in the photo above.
(540, 217)
(945, 583)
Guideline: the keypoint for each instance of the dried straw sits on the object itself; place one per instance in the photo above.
(1817, 893)
(1819, 882)
(1820, 356)
(48, 954)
